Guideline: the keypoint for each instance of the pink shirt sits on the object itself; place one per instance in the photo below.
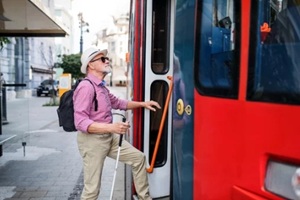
(84, 107)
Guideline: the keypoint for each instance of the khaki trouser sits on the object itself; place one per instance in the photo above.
(94, 148)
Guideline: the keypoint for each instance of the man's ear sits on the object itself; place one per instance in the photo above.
(89, 66)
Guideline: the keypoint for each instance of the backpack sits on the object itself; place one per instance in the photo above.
(65, 111)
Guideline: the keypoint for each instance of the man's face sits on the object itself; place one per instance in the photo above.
(100, 64)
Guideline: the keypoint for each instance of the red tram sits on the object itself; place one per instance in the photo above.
(231, 129)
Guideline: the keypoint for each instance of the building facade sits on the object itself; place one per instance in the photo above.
(30, 60)
(63, 13)
(115, 40)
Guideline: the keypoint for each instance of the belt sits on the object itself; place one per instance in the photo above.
(104, 134)
(97, 134)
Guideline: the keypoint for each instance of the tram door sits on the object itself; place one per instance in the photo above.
(158, 59)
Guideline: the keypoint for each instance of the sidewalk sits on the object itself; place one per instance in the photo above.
(49, 167)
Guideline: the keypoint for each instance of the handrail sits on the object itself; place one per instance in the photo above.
(150, 169)
(14, 85)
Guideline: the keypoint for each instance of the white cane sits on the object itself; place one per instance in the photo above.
(117, 161)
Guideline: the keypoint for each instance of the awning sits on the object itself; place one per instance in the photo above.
(28, 18)
(42, 70)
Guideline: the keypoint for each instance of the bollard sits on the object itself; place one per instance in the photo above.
(3, 113)
(4, 107)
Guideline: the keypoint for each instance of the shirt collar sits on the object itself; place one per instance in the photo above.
(96, 80)
(103, 83)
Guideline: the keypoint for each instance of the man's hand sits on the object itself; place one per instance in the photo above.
(120, 127)
(151, 105)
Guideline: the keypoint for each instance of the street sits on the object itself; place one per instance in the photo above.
(42, 162)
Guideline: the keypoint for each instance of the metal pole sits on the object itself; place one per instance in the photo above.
(81, 38)
(1, 117)
(4, 106)
(82, 24)
(80, 18)
(117, 161)
(111, 76)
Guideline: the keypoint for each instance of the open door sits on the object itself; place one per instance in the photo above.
(158, 66)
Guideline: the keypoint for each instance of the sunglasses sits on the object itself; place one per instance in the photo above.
(103, 59)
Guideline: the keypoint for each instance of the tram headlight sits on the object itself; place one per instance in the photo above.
(283, 179)
(296, 182)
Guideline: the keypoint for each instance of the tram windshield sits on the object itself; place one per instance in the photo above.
(274, 70)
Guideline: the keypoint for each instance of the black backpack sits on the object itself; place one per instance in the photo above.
(65, 111)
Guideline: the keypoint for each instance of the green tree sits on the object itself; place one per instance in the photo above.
(71, 64)
(3, 41)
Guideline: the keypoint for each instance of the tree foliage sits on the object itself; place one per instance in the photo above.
(71, 64)
(3, 41)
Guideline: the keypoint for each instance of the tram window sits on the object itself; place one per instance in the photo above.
(160, 22)
(159, 90)
(274, 70)
(217, 48)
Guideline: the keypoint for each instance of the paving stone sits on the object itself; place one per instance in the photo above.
(52, 167)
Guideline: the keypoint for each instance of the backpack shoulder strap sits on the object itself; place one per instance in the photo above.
(95, 94)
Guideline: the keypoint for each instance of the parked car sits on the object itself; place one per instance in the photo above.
(47, 87)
